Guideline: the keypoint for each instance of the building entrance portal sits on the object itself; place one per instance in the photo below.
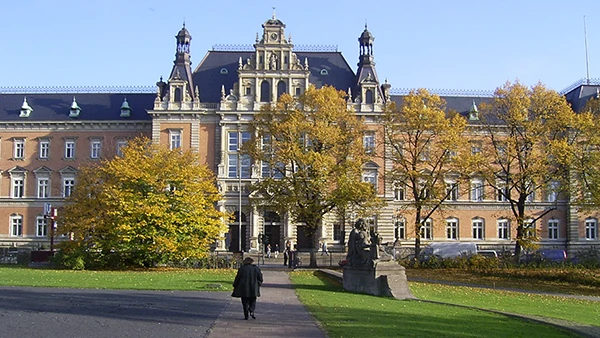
(234, 234)
(272, 229)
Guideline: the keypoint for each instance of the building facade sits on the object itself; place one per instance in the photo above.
(46, 134)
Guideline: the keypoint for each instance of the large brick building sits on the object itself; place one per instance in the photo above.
(47, 133)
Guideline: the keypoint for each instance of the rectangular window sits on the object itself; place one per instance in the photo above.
(19, 149)
(246, 166)
(476, 190)
(426, 229)
(369, 142)
(41, 227)
(452, 229)
(16, 226)
(400, 228)
(452, 191)
(43, 187)
(553, 189)
(232, 166)
(475, 148)
(553, 229)
(95, 146)
(70, 149)
(477, 229)
(337, 232)
(370, 176)
(120, 145)
(591, 229)
(44, 149)
(68, 184)
(175, 139)
(502, 194)
(234, 137)
(399, 194)
(503, 229)
(18, 187)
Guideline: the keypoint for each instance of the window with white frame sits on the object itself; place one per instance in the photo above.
(43, 187)
(175, 138)
(503, 229)
(245, 165)
(591, 229)
(477, 190)
(370, 176)
(68, 185)
(19, 148)
(451, 191)
(17, 185)
(44, 149)
(400, 227)
(16, 225)
(69, 148)
(95, 147)
(553, 189)
(477, 226)
(427, 229)
(120, 145)
(475, 148)
(553, 229)
(41, 226)
(529, 227)
(337, 232)
(399, 193)
(452, 228)
(369, 141)
(502, 192)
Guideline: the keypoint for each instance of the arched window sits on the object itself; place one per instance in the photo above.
(265, 91)
(177, 94)
(369, 96)
(281, 88)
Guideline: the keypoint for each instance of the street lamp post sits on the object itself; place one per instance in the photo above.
(239, 197)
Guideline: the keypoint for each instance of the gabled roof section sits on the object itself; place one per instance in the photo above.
(326, 68)
(57, 106)
(580, 95)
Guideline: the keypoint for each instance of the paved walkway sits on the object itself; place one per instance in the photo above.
(279, 313)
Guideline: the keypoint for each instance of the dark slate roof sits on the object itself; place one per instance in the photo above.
(579, 96)
(94, 106)
(209, 79)
(460, 104)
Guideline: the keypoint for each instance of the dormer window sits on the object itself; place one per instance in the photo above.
(224, 71)
(74, 110)
(324, 72)
(25, 109)
(125, 109)
(474, 112)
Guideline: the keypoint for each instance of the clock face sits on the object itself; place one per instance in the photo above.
(274, 36)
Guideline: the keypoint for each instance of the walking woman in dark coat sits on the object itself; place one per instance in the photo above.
(247, 286)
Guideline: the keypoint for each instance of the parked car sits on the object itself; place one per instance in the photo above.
(488, 253)
(447, 250)
(544, 255)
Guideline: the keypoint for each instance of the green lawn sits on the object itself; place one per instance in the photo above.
(190, 279)
(575, 310)
(345, 314)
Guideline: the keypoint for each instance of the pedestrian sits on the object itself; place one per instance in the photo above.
(268, 250)
(286, 252)
(246, 285)
(276, 251)
(324, 249)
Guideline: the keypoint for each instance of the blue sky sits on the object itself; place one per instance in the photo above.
(475, 45)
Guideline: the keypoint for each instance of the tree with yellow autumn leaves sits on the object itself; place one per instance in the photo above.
(311, 156)
(425, 145)
(152, 205)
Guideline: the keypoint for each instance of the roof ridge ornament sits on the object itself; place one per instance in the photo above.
(25, 108)
(274, 17)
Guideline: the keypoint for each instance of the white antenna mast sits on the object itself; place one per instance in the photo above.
(587, 64)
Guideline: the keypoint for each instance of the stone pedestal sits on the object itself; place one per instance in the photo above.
(386, 278)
